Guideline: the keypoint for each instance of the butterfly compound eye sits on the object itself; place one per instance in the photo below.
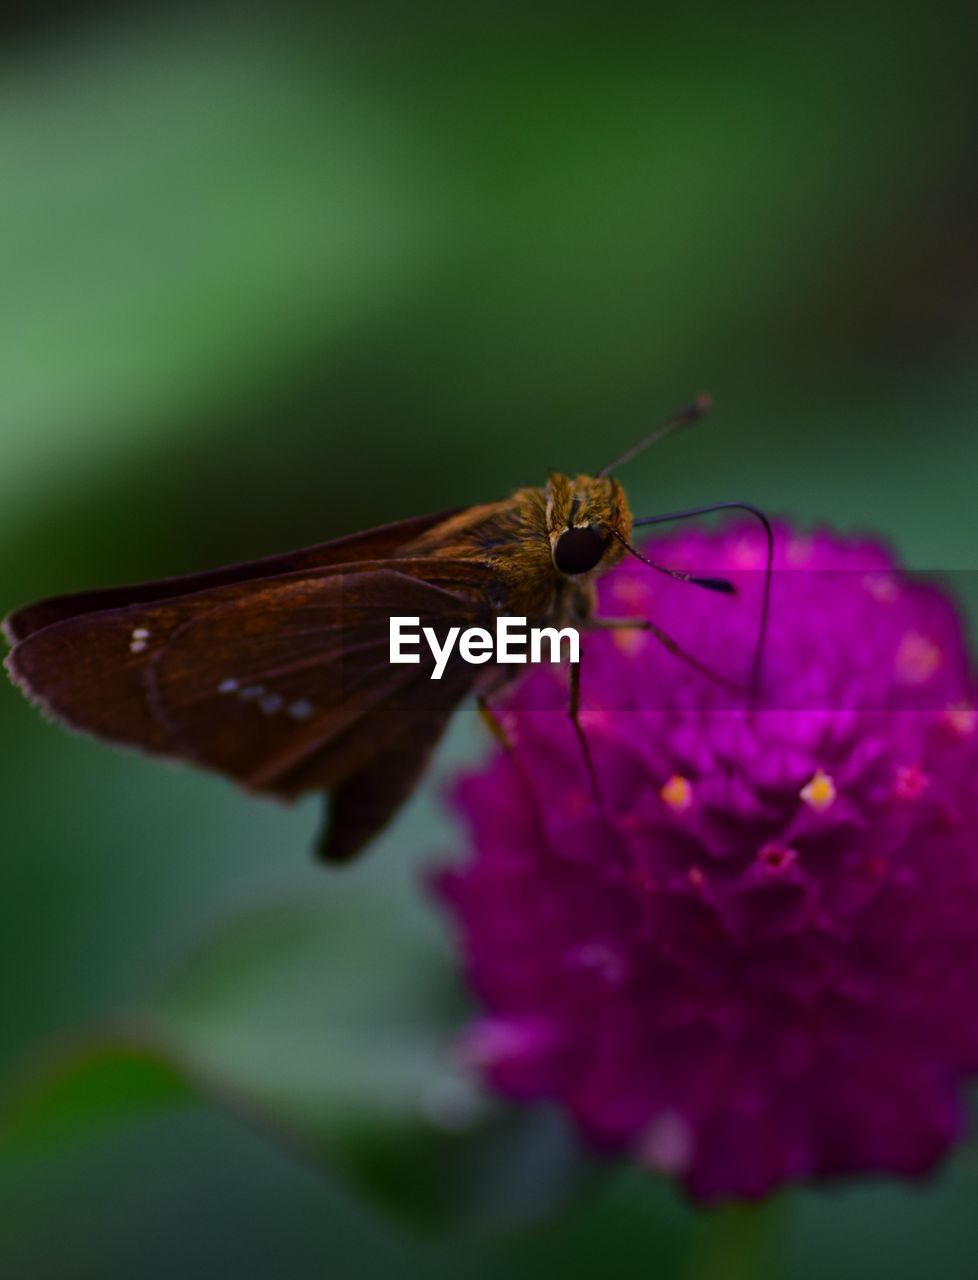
(578, 550)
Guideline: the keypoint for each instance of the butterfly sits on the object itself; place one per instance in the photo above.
(276, 673)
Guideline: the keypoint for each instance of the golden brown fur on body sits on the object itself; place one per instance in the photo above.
(516, 537)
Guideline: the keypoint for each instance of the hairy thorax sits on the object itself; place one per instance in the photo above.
(516, 538)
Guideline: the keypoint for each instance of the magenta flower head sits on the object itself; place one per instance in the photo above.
(759, 964)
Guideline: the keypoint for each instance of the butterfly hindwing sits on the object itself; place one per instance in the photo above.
(364, 801)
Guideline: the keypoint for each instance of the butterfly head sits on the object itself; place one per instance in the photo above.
(588, 519)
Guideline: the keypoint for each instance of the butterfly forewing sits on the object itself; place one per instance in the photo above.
(283, 685)
(372, 545)
(305, 687)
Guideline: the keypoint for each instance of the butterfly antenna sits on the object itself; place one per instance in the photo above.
(684, 418)
(721, 585)
(757, 663)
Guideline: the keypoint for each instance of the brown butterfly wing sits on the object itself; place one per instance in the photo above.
(282, 685)
(363, 802)
(372, 545)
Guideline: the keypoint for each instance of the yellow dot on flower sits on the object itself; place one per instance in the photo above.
(961, 719)
(630, 640)
(678, 793)
(820, 793)
(917, 658)
(631, 589)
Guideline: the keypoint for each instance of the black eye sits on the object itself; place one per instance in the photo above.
(578, 550)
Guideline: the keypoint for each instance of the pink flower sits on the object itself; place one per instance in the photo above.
(761, 963)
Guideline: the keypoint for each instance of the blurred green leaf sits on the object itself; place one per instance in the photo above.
(327, 1025)
(81, 1088)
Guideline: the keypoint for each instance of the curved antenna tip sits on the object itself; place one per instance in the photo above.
(682, 418)
(704, 403)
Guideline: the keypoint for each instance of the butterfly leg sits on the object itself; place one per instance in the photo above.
(494, 724)
(574, 715)
(668, 643)
(502, 735)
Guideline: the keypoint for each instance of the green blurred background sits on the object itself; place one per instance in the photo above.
(271, 274)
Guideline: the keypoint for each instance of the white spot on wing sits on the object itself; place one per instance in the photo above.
(301, 709)
(271, 703)
(230, 685)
